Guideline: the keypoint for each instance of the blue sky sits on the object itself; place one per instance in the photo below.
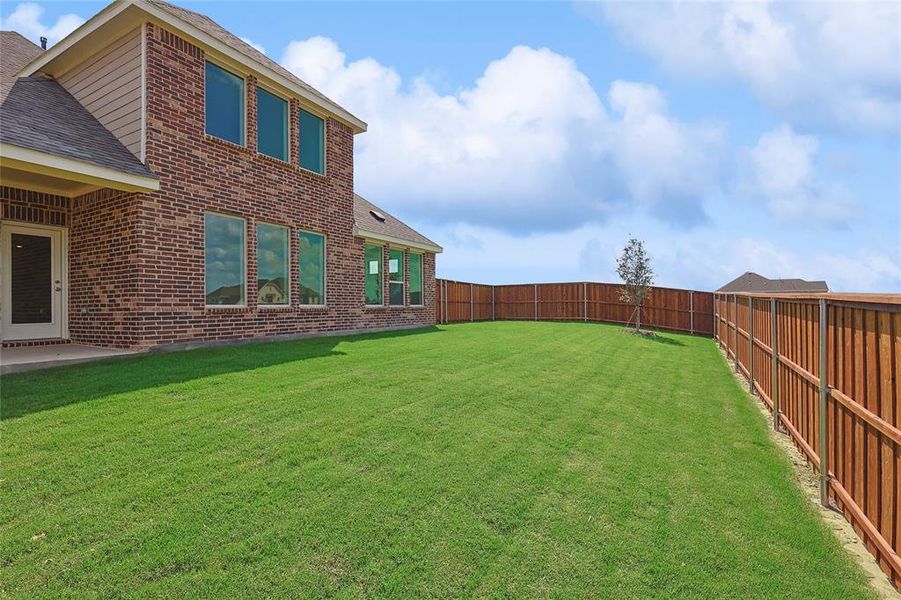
(532, 139)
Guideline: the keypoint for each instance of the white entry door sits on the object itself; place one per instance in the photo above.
(32, 303)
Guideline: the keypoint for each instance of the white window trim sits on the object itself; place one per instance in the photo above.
(403, 282)
(287, 101)
(288, 260)
(421, 255)
(381, 275)
(324, 268)
(243, 78)
(243, 260)
(324, 138)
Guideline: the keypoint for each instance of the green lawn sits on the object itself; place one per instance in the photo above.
(495, 459)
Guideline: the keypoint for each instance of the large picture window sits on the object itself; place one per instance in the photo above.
(223, 240)
(312, 268)
(396, 277)
(312, 142)
(224, 104)
(272, 125)
(373, 277)
(415, 279)
(273, 259)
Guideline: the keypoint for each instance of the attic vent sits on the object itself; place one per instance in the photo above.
(377, 215)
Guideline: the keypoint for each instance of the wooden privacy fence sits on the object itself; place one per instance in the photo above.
(667, 308)
(829, 367)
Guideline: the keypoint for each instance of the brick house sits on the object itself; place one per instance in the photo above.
(165, 182)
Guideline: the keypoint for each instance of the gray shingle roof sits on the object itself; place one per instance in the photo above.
(752, 282)
(39, 114)
(15, 53)
(391, 226)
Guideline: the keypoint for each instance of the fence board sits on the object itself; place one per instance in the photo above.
(863, 369)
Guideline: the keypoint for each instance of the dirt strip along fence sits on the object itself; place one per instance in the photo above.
(850, 417)
(686, 311)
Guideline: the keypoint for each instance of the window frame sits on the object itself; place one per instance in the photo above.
(287, 124)
(324, 268)
(324, 118)
(421, 256)
(243, 79)
(287, 260)
(403, 280)
(243, 261)
(381, 275)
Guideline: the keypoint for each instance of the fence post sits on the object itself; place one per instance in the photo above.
(471, 316)
(535, 286)
(585, 300)
(751, 345)
(774, 359)
(824, 395)
(735, 331)
(691, 309)
(492, 303)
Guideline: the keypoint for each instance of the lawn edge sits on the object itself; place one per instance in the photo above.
(808, 483)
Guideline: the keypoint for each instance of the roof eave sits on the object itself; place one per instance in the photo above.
(54, 165)
(110, 12)
(390, 239)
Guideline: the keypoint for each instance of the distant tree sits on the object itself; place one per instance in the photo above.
(634, 268)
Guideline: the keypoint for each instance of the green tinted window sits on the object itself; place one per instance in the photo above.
(373, 277)
(396, 277)
(312, 268)
(272, 125)
(223, 239)
(312, 142)
(415, 279)
(224, 102)
(273, 257)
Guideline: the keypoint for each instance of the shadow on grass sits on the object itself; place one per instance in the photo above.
(30, 392)
(659, 337)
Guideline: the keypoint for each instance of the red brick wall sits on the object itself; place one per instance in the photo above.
(199, 173)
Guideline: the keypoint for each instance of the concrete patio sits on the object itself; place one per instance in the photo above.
(16, 360)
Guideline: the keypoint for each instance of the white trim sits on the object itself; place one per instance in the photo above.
(383, 238)
(35, 161)
(325, 294)
(421, 278)
(244, 90)
(288, 259)
(243, 258)
(62, 267)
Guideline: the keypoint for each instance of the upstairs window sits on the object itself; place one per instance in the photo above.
(312, 142)
(272, 125)
(273, 257)
(224, 104)
(223, 241)
(396, 277)
(415, 279)
(373, 278)
(312, 268)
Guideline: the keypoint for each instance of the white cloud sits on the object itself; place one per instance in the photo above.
(785, 176)
(528, 145)
(26, 19)
(830, 62)
(254, 45)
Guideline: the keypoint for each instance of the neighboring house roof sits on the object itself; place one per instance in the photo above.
(39, 114)
(15, 53)
(752, 282)
(390, 229)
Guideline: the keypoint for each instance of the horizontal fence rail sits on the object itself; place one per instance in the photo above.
(828, 366)
(667, 308)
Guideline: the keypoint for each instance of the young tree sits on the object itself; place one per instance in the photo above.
(634, 267)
